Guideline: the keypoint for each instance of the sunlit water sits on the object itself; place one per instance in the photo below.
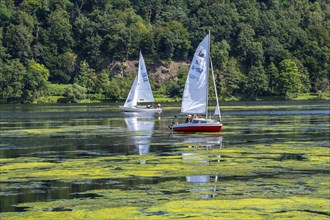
(62, 133)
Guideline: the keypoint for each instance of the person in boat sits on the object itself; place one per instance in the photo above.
(188, 119)
(159, 106)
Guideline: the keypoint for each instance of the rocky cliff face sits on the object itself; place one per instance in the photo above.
(158, 72)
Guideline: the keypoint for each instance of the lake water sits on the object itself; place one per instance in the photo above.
(94, 159)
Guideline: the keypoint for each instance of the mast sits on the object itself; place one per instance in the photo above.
(207, 75)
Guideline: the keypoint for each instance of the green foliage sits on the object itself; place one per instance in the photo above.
(62, 67)
(86, 77)
(6, 11)
(48, 99)
(18, 40)
(102, 82)
(250, 41)
(35, 81)
(172, 40)
(3, 50)
(56, 89)
(175, 89)
(287, 80)
(60, 29)
(74, 93)
(256, 82)
(117, 88)
(12, 81)
(231, 79)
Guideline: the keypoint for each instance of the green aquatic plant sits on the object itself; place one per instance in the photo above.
(248, 178)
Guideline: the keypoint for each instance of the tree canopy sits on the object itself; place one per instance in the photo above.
(259, 48)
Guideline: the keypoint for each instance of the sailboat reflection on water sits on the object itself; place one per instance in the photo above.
(141, 130)
(202, 183)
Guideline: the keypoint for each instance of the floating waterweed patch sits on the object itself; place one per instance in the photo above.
(244, 208)
(250, 173)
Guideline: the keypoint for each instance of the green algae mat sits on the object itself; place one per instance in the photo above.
(94, 162)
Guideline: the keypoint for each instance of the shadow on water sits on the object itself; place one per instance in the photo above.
(55, 190)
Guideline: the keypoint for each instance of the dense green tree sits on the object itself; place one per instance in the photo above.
(272, 73)
(102, 82)
(220, 53)
(172, 40)
(148, 9)
(12, 81)
(118, 88)
(256, 82)
(89, 41)
(174, 11)
(35, 81)
(3, 50)
(220, 58)
(175, 89)
(60, 29)
(283, 45)
(86, 77)
(6, 11)
(288, 81)
(231, 79)
(248, 49)
(18, 36)
(62, 66)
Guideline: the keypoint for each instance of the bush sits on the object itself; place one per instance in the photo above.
(56, 89)
(47, 99)
(74, 93)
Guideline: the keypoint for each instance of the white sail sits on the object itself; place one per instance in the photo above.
(132, 98)
(217, 111)
(140, 91)
(143, 89)
(194, 99)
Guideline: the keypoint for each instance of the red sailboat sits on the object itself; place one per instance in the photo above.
(195, 95)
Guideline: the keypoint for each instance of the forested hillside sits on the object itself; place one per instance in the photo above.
(74, 48)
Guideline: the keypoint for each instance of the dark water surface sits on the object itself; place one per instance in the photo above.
(85, 132)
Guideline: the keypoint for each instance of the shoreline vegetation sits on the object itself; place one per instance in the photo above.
(86, 51)
(99, 99)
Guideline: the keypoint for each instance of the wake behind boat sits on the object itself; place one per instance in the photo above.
(195, 95)
(140, 93)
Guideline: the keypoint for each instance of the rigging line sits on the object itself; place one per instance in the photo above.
(215, 89)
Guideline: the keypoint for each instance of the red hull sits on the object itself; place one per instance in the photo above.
(198, 128)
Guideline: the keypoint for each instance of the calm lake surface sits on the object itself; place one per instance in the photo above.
(93, 158)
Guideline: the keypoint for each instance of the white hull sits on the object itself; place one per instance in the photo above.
(141, 109)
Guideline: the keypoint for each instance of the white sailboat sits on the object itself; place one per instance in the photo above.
(195, 95)
(140, 92)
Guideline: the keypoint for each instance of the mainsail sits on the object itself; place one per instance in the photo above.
(141, 90)
(194, 99)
